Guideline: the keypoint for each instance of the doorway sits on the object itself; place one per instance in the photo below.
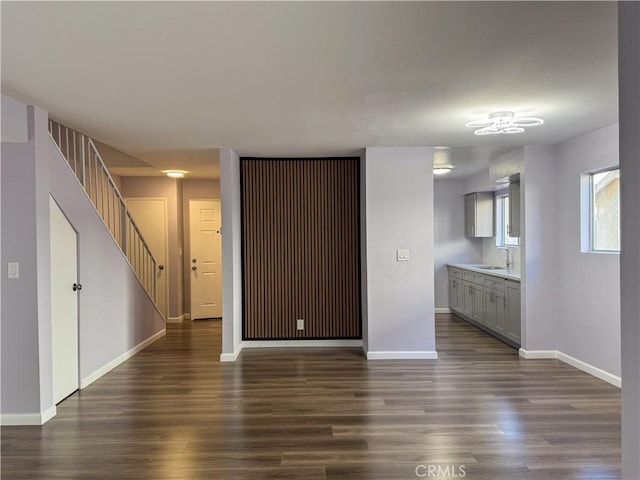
(150, 214)
(64, 304)
(205, 248)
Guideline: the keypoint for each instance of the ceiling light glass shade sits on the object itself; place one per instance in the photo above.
(441, 170)
(174, 174)
(503, 123)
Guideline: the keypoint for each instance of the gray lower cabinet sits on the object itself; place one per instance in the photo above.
(455, 294)
(512, 290)
(487, 300)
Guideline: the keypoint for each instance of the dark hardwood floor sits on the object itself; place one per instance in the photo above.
(479, 412)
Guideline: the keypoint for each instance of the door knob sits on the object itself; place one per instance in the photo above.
(161, 267)
(194, 260)
(194, 268)
(77, 286)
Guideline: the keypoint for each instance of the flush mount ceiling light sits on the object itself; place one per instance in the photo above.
(442, 170)
(503, 122)
(174, 173)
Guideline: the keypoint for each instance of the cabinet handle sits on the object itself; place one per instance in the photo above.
(504, 301)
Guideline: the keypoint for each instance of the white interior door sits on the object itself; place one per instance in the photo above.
(64, 304)
(206, 259)
(150, 214)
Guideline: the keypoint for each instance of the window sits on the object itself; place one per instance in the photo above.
(502, 223)
(604, 210)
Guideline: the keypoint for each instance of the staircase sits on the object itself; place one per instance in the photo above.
(85, 161)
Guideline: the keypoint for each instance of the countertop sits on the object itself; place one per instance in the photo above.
(509, 274)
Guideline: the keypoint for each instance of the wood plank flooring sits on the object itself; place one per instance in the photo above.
(174, 412)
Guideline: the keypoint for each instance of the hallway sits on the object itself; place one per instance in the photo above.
(174, 412)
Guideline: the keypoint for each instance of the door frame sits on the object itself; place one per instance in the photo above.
(166, 243)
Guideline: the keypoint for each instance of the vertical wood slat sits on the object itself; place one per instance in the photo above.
(301, 248)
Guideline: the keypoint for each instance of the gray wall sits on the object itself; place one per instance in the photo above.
(115, 312)
(27, 387)
(450, 243)
(539, 272)
(399, 214)
(167, 188)
(629, 94)
(588, 283)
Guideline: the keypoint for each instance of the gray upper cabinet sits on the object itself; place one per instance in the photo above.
(514, 210)
(478, 214)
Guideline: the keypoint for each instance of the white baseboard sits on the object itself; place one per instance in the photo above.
(381, 355)
(365, 349)
(85, 382)
(179, 319)
(231, 357)
(187, 316)
(537, 354)
(41, 418)
(574, 362)
(590, 369)
(443, 310)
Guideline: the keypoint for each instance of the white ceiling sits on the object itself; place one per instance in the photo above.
(172, 79)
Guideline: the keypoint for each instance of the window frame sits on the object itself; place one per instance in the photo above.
(591, 211)
(502, 222)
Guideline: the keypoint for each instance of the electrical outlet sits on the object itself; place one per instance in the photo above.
(14, 270)
(301, 324)
(403, 255)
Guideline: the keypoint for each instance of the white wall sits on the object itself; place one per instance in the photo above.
(450, 243)
(588, 283)
(231, 254)
(399, 214)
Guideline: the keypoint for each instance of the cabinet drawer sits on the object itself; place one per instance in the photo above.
(455, 272)
(494, 282)
(474, 277)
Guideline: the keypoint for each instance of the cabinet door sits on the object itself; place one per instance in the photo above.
(500, 302)
(514, 210)
(453, 294)
(467, 299)
(470, 215)
(513, 311)
(489, 309)
(478, 303)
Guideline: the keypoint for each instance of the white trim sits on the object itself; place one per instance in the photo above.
(299, 343)
(421, 355)
(231, 357)
(178, 319)
(187, 316)
(538, 354)
(574, 362)
(85, 382)
(364, 349)
(590, 369)
(443, 310)
(41, 418)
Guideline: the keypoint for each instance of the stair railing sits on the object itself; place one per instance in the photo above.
(86, 163)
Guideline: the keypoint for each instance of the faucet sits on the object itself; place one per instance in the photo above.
(509, 262)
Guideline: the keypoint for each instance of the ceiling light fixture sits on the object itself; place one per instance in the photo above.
(442, 170)
(174, 173)
(503, 122)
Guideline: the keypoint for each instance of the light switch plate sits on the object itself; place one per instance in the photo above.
(14, 270)
(300, 324)
(403, 255)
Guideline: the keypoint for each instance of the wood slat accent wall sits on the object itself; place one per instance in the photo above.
(301, 248)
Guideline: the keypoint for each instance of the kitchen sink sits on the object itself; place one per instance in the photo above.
(489, 267)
